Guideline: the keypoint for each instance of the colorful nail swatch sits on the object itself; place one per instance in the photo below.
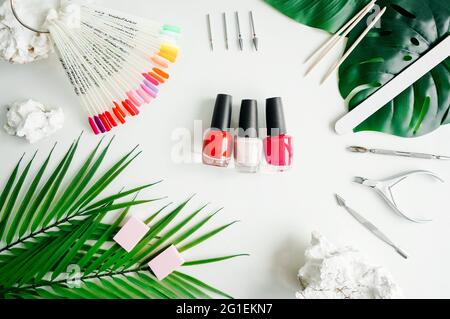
(131, 233)
(114, 62)
(166, 262)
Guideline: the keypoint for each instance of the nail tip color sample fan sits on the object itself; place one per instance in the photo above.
(115, 62)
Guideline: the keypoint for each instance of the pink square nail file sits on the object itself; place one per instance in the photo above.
(131, 233)
(166, 262)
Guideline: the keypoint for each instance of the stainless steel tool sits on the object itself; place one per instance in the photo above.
(225, 29)
(384, 189)
(255, 38)
(239, 34)
(370, 227)
(360, 149)
(211, 40)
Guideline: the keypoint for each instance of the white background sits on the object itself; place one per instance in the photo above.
(277, 212)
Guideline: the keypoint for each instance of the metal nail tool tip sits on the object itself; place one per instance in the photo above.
(225, 26)
(255, 38)
(370, 227)
(238, 25)
(208, 17)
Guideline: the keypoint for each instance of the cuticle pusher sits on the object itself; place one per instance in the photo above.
(370, 227)
(360, 149)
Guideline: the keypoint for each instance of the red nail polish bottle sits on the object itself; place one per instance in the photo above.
(217, 142)
(277, 145)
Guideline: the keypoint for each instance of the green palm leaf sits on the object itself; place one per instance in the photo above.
(15, 193)
(49, 228)
(9, 186)
(22, 211)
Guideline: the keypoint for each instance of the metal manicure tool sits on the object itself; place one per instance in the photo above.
(255, 38)
(239, 34)
(384, 189)
(369, 226)
(225, 29)
(359, 149)
(211, 41)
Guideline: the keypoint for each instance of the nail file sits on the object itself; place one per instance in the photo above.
(394, 87)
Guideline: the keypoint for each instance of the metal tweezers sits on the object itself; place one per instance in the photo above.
(384, 189)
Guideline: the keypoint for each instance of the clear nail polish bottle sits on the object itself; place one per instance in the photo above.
(247, 145)
(217, 142)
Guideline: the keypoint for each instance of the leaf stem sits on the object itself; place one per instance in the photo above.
(37, 233)
(57, 282)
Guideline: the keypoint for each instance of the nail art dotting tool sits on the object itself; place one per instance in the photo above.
(225, 29)
(394, 87)
(239, 34)
(255, 38)
(211, 41)
(360, 149)
(370, 227)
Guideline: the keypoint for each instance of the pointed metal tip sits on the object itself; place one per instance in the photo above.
(340, 200)
(359, 180)
(357, 149)
(255, 42)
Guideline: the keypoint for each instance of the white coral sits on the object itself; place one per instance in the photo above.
(18, 44)
(332, 272)
(33, 120)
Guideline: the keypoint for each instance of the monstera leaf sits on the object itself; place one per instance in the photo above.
(327, 15)
(407, 31)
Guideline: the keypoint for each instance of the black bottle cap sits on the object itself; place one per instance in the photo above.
(248, 119)
(221, 119)
(276, 123)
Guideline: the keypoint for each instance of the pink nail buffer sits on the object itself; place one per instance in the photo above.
(166, 262)
(131, 233)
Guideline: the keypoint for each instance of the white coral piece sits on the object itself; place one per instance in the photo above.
(32, 120)
(332, 272)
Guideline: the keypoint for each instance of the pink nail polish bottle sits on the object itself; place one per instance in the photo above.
(247, 145)
(278, 147)
(217, 142)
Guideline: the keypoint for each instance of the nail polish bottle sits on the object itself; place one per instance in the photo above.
(277, 145)
(217, 142)
(247, 145)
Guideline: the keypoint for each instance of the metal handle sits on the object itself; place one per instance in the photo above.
(401, 252)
